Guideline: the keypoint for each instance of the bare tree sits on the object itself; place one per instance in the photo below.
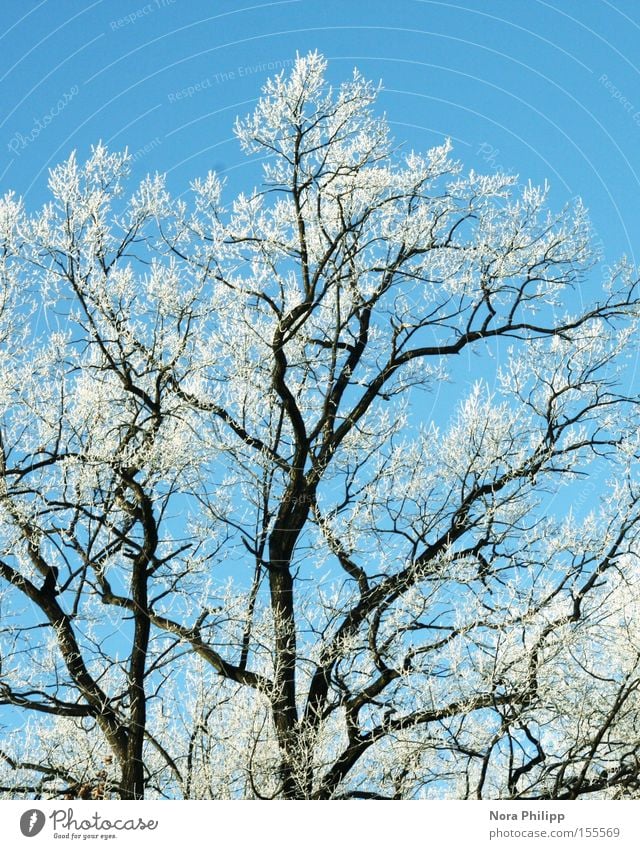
(293, 490)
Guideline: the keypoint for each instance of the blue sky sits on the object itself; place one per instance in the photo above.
(545, 89)
(541, 89)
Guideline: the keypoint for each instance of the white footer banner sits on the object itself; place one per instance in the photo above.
(318, 825)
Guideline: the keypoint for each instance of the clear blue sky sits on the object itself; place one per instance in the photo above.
(542, 89)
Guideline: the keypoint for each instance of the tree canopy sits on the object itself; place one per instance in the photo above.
(325, 491)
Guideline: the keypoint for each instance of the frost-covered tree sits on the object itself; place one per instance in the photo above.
(327, 491)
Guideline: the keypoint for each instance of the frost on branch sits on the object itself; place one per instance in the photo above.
(327, 490)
